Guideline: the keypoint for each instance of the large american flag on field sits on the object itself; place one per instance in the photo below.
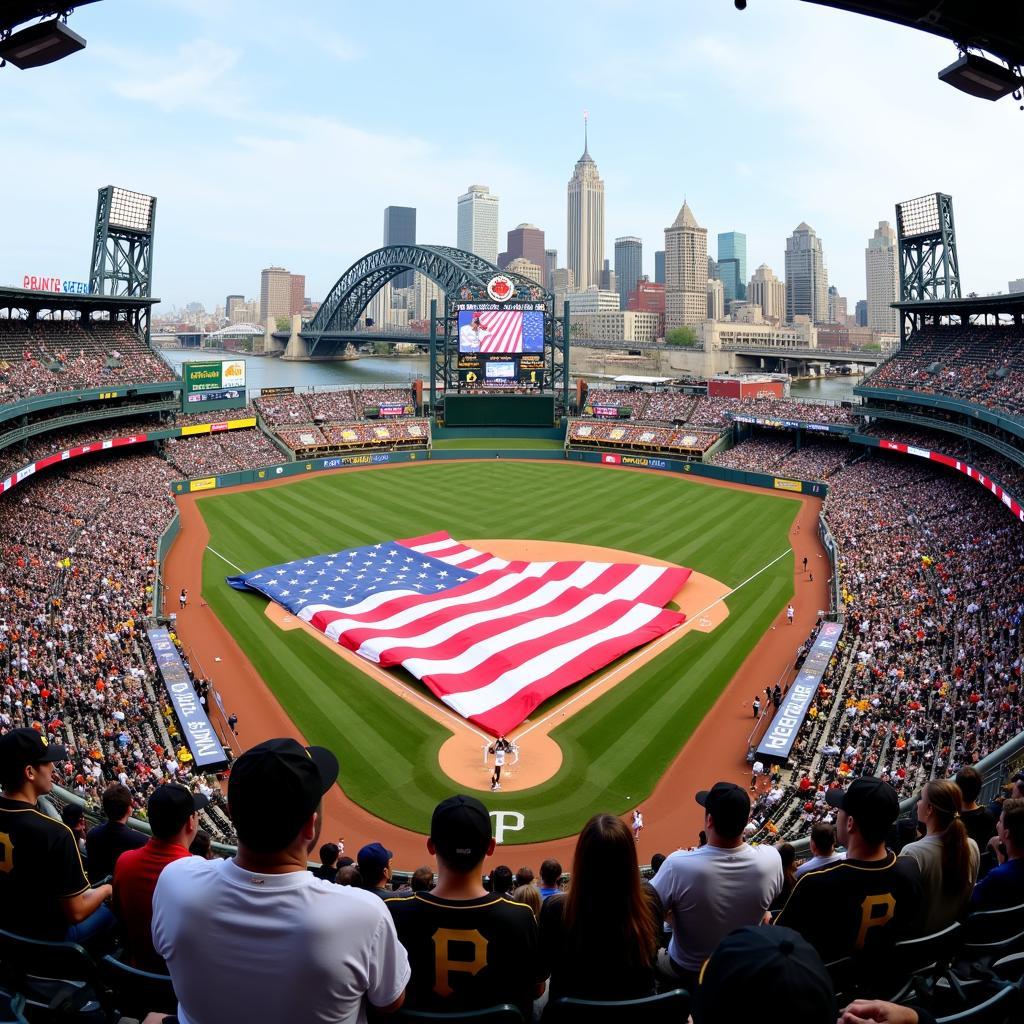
(491, 638)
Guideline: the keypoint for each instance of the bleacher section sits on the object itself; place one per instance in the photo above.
(44, 356)
(980, 365)
(680, 442)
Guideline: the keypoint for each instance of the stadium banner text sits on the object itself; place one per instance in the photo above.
(778, 740)
(787, 485)
(54, 284)
(203, 744)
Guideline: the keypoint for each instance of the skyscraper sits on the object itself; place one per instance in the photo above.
(860, 313)
(478, 223)
(629, 265)
(298, 293)
(716, 299)
(686, 271)
(550, 265)
(524, 242)
(400, 229)
(732, 246)
(768, 292)
(275, 294)
(806, 279)
(608, 281)
(837, 312)
(659, 266)
(585, 221)
(882, 269)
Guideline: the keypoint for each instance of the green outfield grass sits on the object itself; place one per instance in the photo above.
(615, 749)
(504, 443)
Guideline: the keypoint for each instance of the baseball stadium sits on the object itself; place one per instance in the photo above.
(568, 594)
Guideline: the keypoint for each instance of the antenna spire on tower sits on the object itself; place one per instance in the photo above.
(586, 115)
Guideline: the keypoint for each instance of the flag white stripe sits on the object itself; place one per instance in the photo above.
(507, 685)
(366, 605)
(523, 633)
(546, 595)
(437, 545)
(462, 556)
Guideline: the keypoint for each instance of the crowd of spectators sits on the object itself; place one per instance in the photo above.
(684, 441)
(815, 459)
(978, 364)
(43, 356)
(78, 556)
(222, 452)
(319, 407)
(701, 410)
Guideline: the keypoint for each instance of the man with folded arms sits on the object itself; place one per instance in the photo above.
(257, 938)
(872, 899)
(173, 817)
(710, 891)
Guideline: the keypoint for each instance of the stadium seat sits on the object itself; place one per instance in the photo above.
(1001, 1008)
(846, 975)
(134, 993)
(993, 925)
(929, 955)
(504, 1013)
(1010, 968)
(59, 980)
(11, 1006)
(666, 1008)
(988, 952)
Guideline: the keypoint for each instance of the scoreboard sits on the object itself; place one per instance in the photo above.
(498, 372)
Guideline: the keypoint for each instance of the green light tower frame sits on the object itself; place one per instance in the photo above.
(122, 247)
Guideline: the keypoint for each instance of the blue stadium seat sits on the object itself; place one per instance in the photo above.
(134, 993)
(993, 925)
(1010, 968)
(505, 1013)
(928, 955)
(11, 1006)
(1004, 1007)
(59, 980)
(667, 1008)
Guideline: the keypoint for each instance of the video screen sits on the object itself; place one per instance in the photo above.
(501, 331)
(500, 370)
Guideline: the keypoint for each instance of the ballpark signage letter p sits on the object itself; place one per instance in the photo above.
(500, 826)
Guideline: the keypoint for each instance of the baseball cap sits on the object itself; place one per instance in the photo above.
(373, 859)
(274, 787)
(729, 805)
(170, 806)
(755, 967)
(460, 828)
(22, 747)
(869, 800)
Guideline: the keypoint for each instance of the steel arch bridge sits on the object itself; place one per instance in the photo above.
(450, 269)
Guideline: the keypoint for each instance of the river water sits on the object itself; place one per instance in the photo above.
(264, 372)
(369, 370)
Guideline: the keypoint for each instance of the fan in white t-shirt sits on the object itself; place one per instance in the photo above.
(258, 938)
(823, 849)
(711, 891)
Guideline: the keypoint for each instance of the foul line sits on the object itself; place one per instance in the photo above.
(223, 559)
(646, 651)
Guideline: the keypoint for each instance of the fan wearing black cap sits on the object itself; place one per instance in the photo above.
(44, 893)
(258, 938)
(173, 817)
(469, 948)
(721, 886)
(868, 901)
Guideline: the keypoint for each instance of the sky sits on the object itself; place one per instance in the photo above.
(277, 133)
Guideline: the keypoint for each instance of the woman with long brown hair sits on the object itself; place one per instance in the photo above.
(599, 939)
(947, 857)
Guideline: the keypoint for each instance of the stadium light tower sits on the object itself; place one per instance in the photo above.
(929, 268)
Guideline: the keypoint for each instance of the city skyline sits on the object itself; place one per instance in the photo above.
(252, 88)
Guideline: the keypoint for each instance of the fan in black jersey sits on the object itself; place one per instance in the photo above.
(44, 893)
(863, 904)
(468, 948)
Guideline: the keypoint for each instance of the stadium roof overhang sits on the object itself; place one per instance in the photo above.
(34, 301)
(1011, 304)
(997, 28)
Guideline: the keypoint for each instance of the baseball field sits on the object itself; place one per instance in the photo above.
(614, 749)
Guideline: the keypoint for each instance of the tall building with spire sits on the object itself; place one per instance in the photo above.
(686, 271)
(585, 221)
(806, 277)
(882, 269)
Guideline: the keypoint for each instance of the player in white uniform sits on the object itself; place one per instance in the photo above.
(499, 761)
(638, 824)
